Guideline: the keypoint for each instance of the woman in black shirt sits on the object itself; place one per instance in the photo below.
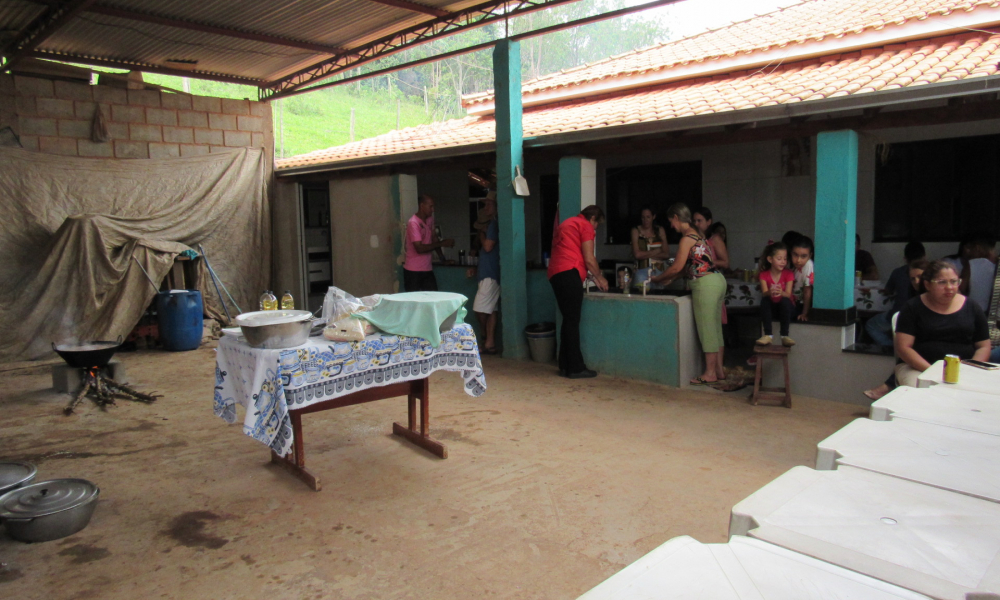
(938, 322)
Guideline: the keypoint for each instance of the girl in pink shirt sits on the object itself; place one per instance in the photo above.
(776, 293)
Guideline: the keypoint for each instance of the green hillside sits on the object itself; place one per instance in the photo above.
(319, 119)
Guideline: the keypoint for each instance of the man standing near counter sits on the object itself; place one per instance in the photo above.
(488, 274)
(418, 268)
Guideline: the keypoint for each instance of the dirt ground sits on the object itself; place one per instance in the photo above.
(550, 487)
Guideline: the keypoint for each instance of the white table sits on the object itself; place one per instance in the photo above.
(931, 541)
(951, 459)
(941, 405)
(969, 378)
(743, 569)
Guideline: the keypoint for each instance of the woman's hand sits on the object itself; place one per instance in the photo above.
(906, 353)
(602, 283)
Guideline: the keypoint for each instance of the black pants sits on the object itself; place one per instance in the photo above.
(420, 281)
(568, 289)
(784, 310)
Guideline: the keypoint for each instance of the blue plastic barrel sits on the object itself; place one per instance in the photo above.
(181, 320)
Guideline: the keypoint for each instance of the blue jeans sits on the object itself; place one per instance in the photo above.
(879, 328)
(783, 310)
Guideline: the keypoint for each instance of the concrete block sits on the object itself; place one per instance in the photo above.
(250, 123)
(235, 107)
(29, 142)
(124, 149)
(257, 140)
(206, 104)
(164, 150)
(72, 128)
(7, 87)
(57, 145)
(33, 86)
(237, 138)
(193, 150)
(224, 122)
(85, 110)
(67, 379)
(95, 150)
(188, 118)
(259, 109)
(144, 98)
(38, 126)
(218, 149)
(161, 116)
(55, 107)
(128, 114)
(208, 136)
(110, 95)
(73, 91)
(181, 101)
(118, 131)
(178, 135)
(145, 133)
(25, 106)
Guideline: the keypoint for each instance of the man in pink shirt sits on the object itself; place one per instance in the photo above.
(418, 271)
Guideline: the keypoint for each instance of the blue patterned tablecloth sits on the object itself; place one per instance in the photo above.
(268, 383)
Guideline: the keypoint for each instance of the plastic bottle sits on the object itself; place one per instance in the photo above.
(268, 301)
(287, 302)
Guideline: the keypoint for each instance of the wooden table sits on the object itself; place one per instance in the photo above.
(295, 462)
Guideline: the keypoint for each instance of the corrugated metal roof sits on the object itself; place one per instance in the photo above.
(94, 35)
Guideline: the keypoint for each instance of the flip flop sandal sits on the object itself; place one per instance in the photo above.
(700, 381)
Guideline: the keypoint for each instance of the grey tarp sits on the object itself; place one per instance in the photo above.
(73, 278)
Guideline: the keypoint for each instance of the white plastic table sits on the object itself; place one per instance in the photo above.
(951, 459)
(938, 543)
(743, 569)
(971, 411)
(971, 379)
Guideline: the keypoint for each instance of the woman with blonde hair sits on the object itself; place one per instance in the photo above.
(696, 260)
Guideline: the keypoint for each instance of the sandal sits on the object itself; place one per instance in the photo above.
(701, 381)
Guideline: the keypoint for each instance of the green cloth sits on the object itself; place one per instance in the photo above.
(417, 314)
(707, 295)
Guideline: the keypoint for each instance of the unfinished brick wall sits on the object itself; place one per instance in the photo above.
(54, 117)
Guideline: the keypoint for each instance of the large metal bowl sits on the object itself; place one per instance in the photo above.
(275, 329)
(48, 510)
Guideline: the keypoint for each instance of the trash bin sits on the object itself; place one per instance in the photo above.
(542, 341)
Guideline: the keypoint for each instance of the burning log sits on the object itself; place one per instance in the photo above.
(103, 390)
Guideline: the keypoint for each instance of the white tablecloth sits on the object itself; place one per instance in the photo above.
(269, 383)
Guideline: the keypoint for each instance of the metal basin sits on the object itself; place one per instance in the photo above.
(15, 474)
(85, 355)
(48, 510)
(276, 329)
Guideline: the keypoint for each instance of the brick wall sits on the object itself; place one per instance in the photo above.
(54, 117)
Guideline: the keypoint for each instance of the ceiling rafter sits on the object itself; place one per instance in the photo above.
(111, 11)
(140, 66)
(49, 22)
(414, 7)
(456, 22)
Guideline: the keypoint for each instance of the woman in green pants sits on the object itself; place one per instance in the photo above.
(696, 260)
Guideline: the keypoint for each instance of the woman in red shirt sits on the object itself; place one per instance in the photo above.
(572, 256)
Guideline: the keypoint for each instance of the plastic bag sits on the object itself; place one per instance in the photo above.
(338, 304)
(348, 330)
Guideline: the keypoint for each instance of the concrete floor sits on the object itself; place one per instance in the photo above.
(551, 486)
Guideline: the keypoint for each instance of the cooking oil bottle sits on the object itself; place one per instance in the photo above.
(268, 301)
(287, 302)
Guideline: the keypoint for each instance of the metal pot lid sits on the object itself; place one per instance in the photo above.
(13, 474)
(46, 498)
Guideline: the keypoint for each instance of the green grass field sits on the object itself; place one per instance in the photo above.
(319, 119)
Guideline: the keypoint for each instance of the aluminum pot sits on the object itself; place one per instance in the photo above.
(86, 355)
(48, 510)
(15, 474)
(276, 329)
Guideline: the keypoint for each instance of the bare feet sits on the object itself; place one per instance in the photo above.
(876, 393)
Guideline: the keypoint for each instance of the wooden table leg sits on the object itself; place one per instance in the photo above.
(420, 389)
(295, 463)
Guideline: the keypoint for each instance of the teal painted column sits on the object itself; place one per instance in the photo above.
(510, 206)
(836, 214)
(577, 185)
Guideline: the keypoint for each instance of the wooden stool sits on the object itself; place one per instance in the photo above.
(784, 394)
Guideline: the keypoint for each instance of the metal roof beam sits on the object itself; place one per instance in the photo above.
(456, 22)
(53, 19)
(137, 66)
(111, 11)
(414, 7)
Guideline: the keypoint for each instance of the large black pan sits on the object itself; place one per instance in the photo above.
(87, 354)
